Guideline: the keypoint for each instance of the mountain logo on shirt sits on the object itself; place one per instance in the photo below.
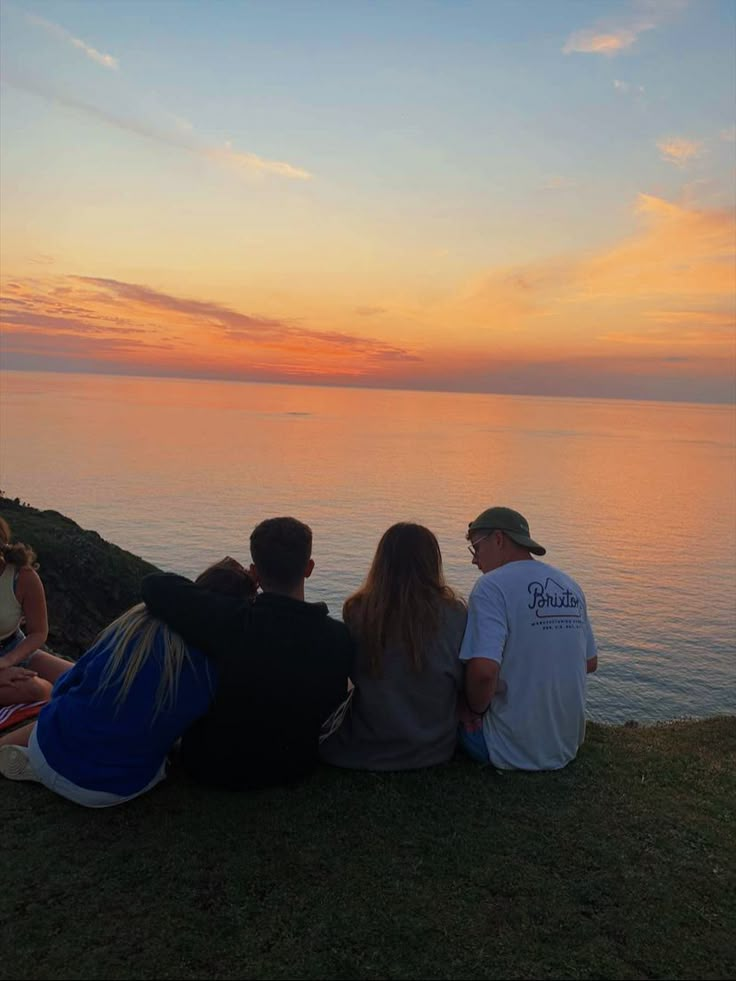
(553, 600)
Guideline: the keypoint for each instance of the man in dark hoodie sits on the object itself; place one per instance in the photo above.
(282, 664)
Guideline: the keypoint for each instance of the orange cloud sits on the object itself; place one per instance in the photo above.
(614, 37)
(678, 150)
(594, 42)
(680, 255)
(250, 163)
(652, 316)
(670, 284)
(128, 324)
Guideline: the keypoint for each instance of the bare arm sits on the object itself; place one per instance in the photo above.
(481, 683)
(32, 598)
(591, 660)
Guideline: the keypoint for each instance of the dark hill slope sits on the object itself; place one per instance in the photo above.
(88, 581)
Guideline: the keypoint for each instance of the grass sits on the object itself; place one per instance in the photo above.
(621, 866)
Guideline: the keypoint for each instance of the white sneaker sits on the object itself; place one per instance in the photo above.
(15, 765)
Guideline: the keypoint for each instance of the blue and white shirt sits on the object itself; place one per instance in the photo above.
(532, 619)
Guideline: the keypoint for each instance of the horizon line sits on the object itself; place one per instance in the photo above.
(370, 387)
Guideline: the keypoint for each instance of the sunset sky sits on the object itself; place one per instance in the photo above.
(505, 196)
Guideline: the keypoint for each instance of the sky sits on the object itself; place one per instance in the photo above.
(510, 196)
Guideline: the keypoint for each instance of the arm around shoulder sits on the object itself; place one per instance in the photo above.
(197, 614)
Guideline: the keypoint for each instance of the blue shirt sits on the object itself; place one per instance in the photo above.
(101, 744)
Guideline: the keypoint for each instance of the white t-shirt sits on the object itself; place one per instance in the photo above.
(532, 619)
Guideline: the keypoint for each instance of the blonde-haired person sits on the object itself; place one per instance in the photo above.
(27, 674)
(408, 626)
(105, 735)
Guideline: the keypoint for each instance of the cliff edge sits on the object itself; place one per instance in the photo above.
(88, 581)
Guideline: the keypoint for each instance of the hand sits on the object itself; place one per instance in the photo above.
(13, 675)
(469, 720)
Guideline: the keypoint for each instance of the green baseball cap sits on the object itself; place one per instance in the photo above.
(511, 523)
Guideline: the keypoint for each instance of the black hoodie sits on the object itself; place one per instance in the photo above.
(282, 668)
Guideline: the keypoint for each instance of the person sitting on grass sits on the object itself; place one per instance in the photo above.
(27, 674)
(527, 651)
(408, 626)
(283, 664)
(104, 737)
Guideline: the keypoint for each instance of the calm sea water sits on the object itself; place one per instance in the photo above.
(635, 500)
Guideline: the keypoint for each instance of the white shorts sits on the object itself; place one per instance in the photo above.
(79, 795)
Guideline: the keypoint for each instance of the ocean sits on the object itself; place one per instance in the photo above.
(636, 500)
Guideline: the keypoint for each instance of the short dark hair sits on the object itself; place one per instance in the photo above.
(281, 549)
(229, 578)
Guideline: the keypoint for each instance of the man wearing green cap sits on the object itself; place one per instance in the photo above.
(528, 649)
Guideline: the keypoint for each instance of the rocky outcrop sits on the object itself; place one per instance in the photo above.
(88, 581)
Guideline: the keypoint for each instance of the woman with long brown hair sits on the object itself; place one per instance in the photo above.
(408, 625)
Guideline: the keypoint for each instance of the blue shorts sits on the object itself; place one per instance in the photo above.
(473, 744)
(10, 645)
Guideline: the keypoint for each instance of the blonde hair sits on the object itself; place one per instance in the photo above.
(134, 635)
(135, 632)
(402, 596)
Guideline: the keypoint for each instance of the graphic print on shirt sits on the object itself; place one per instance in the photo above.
(554, 605)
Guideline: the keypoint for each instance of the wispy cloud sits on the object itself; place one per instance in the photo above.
(369, 311)
(245, 164)
(249, 163)
(729, 135)
(678, 265)
(678, 150)
(616, 322)
(681, 255)
(591, 41)
(109, 320)
(614, 36)
(233, 323)
(627, 87)
(693, 318)
(106, 60)
(557, 183)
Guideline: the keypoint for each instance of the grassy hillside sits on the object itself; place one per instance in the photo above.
(621, 866)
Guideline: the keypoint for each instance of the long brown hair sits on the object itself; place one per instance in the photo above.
(402, 596)
(15, 553)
